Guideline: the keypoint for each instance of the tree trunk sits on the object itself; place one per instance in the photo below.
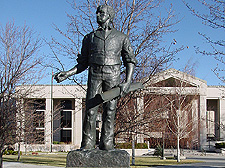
(1, 160)
(178, 148)
(25, 148)
(133, 152)
(178, 135)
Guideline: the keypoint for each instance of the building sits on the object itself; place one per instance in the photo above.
(67, 104)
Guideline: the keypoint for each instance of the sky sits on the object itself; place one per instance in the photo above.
(42, 14)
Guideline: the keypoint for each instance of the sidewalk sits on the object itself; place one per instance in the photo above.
(209, 160)
(22, 165)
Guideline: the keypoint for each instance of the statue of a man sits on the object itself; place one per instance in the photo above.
(101, 52)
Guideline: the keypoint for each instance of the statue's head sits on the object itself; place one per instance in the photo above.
(108, 10)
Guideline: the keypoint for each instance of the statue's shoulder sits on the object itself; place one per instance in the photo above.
(119, 33)
(89, 34)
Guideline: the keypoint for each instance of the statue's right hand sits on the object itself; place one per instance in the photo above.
(60, 76)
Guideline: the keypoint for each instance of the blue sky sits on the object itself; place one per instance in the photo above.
(41, 14)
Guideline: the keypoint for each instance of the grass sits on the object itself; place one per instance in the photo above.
(59, 160)
(44, 159)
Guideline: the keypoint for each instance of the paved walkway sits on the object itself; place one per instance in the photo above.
(209, 161)
(22, 165)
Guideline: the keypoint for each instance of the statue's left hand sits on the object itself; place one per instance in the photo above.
(124, 88)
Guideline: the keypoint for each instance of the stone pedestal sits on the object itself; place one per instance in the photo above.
(98, 158)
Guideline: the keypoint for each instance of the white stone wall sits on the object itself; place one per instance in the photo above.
(77, 128)
(222, 119)
(218, 92)
(48, 125)
(59, 91)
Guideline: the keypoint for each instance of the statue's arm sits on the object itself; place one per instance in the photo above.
(81, 66)
(124, 87)
(129, 72)
(129, 61)
(63, 75)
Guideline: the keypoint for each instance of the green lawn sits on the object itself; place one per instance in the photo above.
(59, 159)
(44, 159)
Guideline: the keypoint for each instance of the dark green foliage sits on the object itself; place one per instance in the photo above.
(56, 142)
(129, 145)
(11, 152)
(220, 145)
(158, 151)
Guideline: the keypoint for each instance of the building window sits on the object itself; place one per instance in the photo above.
(39, 104)
(66, 104)
(39, 119)
(66, 120)
(34, 121)
(39, 136)
(66, 136)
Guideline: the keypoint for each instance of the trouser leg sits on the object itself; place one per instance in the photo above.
(109, 110)
(107, 133)
(89, 129)
(89, 124)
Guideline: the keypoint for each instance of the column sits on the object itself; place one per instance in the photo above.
(202, 117)
(140, 110)
(195, 120)
(222, 118)
(77, 123)
(48, 125)
(217, 120)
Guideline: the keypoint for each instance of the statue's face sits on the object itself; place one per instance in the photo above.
(102, 15)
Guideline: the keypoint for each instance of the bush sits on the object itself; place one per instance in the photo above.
(220, 145)
(158, 151)
(55, 142)
(129, 145)
(141, 146)
(11, 152)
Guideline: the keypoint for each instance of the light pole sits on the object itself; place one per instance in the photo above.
(52, 111)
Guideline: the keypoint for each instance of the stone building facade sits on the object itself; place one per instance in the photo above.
(63, 110)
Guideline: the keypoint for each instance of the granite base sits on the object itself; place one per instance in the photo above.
(98, 158)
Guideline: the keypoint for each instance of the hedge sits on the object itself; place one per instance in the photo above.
(220, 145)
(11, 152)
(129, 145)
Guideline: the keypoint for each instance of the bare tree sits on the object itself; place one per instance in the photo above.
(180, 121)
(141, 20)
(214, 17)
(19, 65)
(139, 115)
(182, 115)
(30, 122)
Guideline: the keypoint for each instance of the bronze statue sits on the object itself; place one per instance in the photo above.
(101, 52)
